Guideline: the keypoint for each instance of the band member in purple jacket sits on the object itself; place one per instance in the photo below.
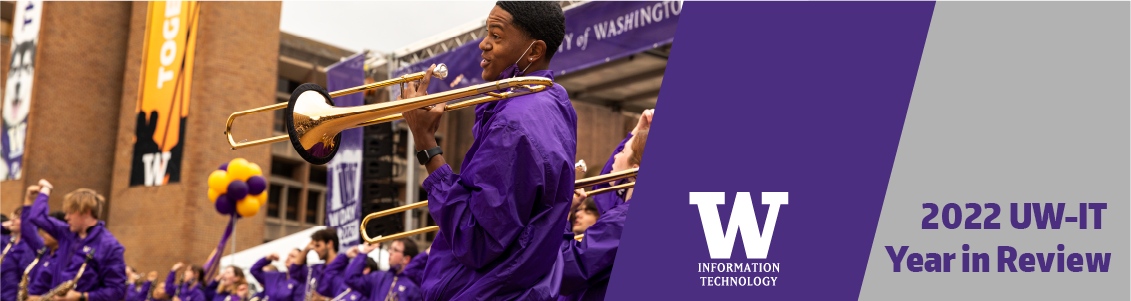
(500, 218)
(39, 240)
(191, 286)
(276, 285)
(609, 200)
(138, 290)
(17, 255)
(324, 243)
(391, 285)
(159, 293)
(332, 285)
(588, 263)
(414, 270)
(224, 287)
(82, 236)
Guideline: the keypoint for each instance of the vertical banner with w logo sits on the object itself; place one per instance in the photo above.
(343, 183)
(163, 102)
(17, 90)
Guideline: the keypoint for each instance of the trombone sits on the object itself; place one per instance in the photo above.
(314, 124)
(582, 183)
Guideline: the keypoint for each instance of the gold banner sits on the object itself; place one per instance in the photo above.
(163, 102)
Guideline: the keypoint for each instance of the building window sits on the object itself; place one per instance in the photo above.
(274, 201)
(313, 206)
(296, 199)
(292, 203)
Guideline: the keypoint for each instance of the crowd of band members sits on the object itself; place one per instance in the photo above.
(585, 266)
(31, 236)
(507, 221)
(44, 250)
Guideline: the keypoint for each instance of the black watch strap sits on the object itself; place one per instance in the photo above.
(426, 155)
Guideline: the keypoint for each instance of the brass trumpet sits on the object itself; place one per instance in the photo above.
(582, 183)
(314, 124)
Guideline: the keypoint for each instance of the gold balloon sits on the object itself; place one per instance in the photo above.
(218, 181)
(239, 169)
(248, 207)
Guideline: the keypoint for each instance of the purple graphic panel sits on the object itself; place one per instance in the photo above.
(806, 98)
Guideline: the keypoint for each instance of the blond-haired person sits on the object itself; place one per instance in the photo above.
(81, 237)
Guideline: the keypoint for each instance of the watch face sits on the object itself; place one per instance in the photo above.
(426, 155)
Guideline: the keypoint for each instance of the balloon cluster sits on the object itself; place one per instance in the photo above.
(238, 187)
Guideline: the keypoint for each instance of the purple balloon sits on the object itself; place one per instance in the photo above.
(224, 167)
(256, 185)
(224, 205)
(237, 190)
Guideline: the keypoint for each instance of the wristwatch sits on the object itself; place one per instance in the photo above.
(426, 155)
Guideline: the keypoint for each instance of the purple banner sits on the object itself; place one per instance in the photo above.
(814, 101)
(343, 183)
(596, 32)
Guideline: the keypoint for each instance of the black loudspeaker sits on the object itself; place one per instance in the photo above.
(385, 225)
(377, 165)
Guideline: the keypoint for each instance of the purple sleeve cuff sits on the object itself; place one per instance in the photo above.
(438, 178)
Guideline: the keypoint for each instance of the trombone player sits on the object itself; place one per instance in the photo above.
(500, 218)
(587, 264)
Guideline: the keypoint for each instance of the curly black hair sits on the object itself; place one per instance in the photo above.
(541, 20)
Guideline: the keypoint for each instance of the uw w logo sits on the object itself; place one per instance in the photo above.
(741, 216)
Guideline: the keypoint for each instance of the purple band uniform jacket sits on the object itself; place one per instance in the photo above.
(414, 270)
(607, 201)
(135, 292)
(276, 285)
(187, 291)
(37, 284)
(105, 276)
(332, 285)
(501, 217)
(380, 285)
(210, 293)
(12, 270)
(588, 263)
(29, 233)
(304, 275)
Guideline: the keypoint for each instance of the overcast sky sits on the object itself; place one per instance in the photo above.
(381, 26)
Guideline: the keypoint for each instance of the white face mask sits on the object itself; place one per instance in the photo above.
(524, 54)
(513, 69)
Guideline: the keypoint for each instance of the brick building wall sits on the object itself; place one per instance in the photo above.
(235, 69)
(75, 99)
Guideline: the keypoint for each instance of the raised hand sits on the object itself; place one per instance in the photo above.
(32, 193)
(352, 252)
(645, 121)
(366, 248)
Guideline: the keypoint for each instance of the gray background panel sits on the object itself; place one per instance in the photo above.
(1014, 102)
